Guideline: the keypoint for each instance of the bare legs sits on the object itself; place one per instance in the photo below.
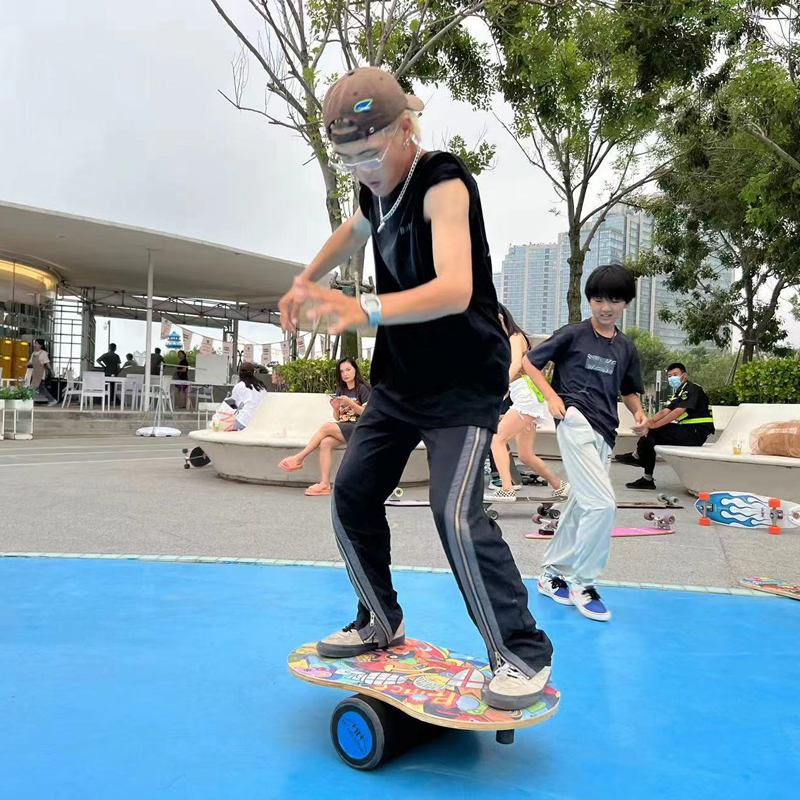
(326, 439)
(514, 424)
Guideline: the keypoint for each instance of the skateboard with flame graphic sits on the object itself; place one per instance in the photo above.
(745, 510)
(402, 692)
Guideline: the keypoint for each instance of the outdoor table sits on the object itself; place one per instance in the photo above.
(120, 392)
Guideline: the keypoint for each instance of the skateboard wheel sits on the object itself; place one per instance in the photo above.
(774, 502)
(554, 513)
(662, 498)
(674, 501)
(398, 492)
(537, 518)
(704, 496)
(775, 530)
(649, 515)
(493, 514)
(184, 451)
(670, 520)
(705, 521)
(186, 466)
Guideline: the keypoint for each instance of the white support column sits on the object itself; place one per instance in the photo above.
(149, 334)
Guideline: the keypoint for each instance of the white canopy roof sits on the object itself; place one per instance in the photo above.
(91, 253)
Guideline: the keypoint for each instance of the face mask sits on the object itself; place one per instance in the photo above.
(674, 381)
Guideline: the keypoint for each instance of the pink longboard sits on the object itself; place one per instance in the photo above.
(615, 532)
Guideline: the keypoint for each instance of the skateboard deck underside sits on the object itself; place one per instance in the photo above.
(427, 682)
(745, 510)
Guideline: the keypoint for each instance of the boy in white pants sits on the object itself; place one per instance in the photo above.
(594, 363)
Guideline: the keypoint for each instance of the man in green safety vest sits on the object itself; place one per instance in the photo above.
(685, 420)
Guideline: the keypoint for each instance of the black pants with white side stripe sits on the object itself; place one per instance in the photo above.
(490, 583)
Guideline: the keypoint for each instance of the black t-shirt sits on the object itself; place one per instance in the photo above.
(111, 363)
(693, 399)
(449, 371)
(360, 394)
(591, 371)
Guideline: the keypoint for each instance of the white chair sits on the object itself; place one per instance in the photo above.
(165, 389)
(133, 386)
(73, 390)
(94, 386)
(201, 393)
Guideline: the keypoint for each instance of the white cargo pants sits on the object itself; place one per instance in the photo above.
(579, 550)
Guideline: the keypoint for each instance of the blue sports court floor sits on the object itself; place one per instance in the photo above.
(124, 679)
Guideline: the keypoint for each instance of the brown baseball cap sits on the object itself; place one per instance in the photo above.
(364, 101)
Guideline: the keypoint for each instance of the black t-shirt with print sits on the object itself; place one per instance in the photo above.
(693, 399)
(449, 371)
(591, 371)
(360, 394)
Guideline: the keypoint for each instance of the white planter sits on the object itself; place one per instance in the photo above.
(20, 405)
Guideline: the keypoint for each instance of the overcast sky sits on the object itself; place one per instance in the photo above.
(112, 111)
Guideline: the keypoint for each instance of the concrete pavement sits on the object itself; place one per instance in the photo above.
(131, 495)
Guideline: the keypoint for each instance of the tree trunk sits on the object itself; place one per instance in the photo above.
(748, 347)
(576, 258)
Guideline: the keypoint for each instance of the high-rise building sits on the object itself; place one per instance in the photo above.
(535, 277)
(527, 286)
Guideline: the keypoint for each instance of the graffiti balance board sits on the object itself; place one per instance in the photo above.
(773, 586)
(404, 694)
(745, 510)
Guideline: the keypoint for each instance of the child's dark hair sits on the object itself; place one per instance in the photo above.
(247, 375)
(611, 282)
(511, 324)
(341, 386)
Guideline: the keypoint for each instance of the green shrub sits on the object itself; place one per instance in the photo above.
(722, 396)
(314, 376)
(17, 393)
(776, 380)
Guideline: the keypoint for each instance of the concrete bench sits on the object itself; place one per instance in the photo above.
(546, 444)
(714, 467)
(281, 426)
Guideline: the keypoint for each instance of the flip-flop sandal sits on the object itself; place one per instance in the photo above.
(311, 492)
(289, 467)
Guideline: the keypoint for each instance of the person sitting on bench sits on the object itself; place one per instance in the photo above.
(352, 394)
(685, 420)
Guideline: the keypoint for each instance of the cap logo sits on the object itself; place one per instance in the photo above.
(363, 105)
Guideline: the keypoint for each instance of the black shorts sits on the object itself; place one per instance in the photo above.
(347, 429)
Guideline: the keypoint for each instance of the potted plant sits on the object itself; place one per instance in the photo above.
(19, 397)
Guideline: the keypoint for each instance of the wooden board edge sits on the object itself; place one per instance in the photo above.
(767, 590)
(464, 726)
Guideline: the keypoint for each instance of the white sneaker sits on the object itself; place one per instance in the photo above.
(348, 642)
(510, 689)
(587, 600)
(563, 490)
(554, 587)
(495, 495)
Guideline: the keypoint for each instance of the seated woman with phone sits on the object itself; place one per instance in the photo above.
(352, 394)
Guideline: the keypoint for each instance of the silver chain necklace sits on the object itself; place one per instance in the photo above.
(400, 196)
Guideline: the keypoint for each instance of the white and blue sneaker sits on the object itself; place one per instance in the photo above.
(587, 600)
(554, 587)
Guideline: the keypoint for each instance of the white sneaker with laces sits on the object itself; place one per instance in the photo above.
(588, 601)
(510, 689)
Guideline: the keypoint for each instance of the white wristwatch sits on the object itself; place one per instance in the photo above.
(372, 308)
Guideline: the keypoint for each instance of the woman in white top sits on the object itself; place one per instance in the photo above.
(248, 395)
(40, 366)
(526, 413)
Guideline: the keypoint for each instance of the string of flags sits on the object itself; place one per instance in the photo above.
(271, 352)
